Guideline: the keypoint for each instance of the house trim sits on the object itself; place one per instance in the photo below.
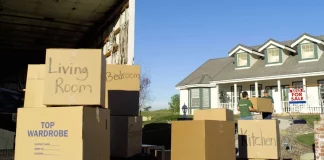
(271, 42)
(309, 74)
(246, 50)
(299, 40)
(196, 86)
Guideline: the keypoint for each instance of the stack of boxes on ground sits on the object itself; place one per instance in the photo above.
(211, 136)
(123, 85)
(65, 115)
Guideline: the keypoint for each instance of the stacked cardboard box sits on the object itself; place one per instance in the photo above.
(123, 86)
(259, 139)
(210, 136)
(64, 115)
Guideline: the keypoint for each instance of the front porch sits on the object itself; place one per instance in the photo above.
(289, 108)
(230, 94)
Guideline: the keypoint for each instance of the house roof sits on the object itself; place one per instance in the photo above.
(290, 66)
(205, 73)
(224, 68)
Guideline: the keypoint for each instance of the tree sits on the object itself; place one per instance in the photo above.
(174, 104)
(145, 94)
(147, 108)
(223, 97)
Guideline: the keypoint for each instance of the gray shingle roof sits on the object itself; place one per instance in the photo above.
(224, 68)
(290, 66)
(204, 74)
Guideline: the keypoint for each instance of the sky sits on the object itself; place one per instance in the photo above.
(175, 37)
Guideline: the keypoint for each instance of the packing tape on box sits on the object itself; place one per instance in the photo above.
(97, 114)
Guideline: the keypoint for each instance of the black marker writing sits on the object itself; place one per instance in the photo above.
(120, 76)
(71, 70)
(63, 88)
(257, 140)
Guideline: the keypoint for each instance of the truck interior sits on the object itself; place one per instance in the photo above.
(29, 27)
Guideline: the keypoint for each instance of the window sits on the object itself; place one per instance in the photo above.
(252, 90)
(297, 84)
(238, 95)
(273, 55)
(242, 59)
(321, 89)
(307, 51)
(195, 98)
(200, 98)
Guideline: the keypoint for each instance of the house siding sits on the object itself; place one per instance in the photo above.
(312, 92)
(184, 98)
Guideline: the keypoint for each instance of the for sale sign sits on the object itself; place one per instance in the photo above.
(297, 95)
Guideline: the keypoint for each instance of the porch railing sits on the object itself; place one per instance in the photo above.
(309, 107)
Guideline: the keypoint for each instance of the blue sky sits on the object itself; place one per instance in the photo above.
(174, 37)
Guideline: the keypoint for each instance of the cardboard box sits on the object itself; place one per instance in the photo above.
(262, 104)
(259, 139)
(34, 86)
(74, 77)
(221, 114)
(122, 89)
(203, 140)
(63, 133)
(125, 136)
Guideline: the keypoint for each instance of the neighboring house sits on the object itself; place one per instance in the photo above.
(275, 66)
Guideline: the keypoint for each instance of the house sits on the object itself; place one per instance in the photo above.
(274, 66)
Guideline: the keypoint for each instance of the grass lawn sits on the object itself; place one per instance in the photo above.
(307, 139)
(310, 118)
(162, 116)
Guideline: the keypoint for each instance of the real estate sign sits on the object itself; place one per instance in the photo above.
(297, 96)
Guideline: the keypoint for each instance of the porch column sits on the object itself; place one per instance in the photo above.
(279, 108)
(305, 88)
(217, 97)
(235, 98)
(256, 88)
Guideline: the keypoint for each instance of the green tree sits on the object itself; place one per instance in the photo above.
(174, 104)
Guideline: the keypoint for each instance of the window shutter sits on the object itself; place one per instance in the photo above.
(248, 59)
(299, 51)
(236, 60)
(280, 55)
(205, 98)
(315, 51)
(266, 56)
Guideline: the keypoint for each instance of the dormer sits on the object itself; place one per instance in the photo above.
(275, 53)
(309, 48)
(244, 57)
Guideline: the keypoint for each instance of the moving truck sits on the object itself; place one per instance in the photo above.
(28, 29)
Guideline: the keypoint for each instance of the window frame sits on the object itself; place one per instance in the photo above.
(260, 90)
(267, 55)
(201, 100)
(301, 52)
(293, 82)
(321, 90)
(270, 55)
(237, 59)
